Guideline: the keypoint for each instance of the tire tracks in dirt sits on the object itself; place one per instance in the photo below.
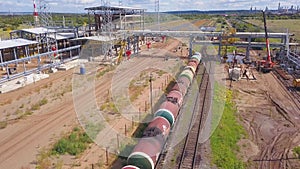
(14, 143)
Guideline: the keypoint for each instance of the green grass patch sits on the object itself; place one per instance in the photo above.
(43, 159)
(35, 107)
(160, 72)
(44, 101)
(225, 138)
(137, 86)
(3, 124)
(106, 70)
(293, 25)
(73, 144)
(296, 151)
(38, 105)
(28, 113)
(109, 106)
(92, 129)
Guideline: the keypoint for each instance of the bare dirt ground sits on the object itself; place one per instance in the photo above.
(26, 134)
(272, 120)
(22, 139)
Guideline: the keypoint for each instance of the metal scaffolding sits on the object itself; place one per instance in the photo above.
(45, 16)
(109, 19)
(107, 28)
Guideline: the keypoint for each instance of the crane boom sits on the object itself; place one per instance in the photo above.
(269, 61)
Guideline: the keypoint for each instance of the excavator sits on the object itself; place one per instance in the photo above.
(266, 65)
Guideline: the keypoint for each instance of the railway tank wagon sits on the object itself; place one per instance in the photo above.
(188, 74)
(158, 127)
(168, 110)
(149, 147)
(175, 97)
(130, 167)
(192, 66)
(146, 153)
(182, 85)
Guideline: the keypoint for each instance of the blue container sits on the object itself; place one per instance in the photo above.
(82, 70)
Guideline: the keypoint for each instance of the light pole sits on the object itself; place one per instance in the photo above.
(150, 80)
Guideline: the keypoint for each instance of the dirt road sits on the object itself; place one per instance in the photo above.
(22, 139)
(272, 119)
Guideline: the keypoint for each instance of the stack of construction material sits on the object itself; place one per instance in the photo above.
(235, 74)
(21, 82)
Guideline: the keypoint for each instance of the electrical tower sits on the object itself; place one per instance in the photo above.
(45, 14)
(158, 15)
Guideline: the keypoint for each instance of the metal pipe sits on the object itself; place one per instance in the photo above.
(39, 55)
(1, 58)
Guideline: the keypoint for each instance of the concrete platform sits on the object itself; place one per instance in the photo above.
(21, 82)
(71, 64)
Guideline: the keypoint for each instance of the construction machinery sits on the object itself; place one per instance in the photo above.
(296, 83)
(266, 65)
(122, 51)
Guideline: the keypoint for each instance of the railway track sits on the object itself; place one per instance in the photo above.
(292, 92)
(187, 152)
(275, 154)
(190, 156)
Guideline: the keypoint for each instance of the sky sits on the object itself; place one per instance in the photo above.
(77, 6)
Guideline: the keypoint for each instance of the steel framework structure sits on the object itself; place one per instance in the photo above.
(45, 14)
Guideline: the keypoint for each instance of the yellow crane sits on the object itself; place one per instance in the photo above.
(227, 40)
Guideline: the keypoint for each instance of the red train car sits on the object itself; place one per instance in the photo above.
(182, 85)
(159, 127)
(175, 97)
(168, 110)
(146, 153)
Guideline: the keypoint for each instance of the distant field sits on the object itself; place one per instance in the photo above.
(293, 25)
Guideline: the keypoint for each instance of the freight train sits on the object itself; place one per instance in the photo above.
(145, 154)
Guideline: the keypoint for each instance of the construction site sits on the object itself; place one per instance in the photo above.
(138, 89)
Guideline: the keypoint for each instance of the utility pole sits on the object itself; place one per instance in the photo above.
(151, 104)
(158, 14)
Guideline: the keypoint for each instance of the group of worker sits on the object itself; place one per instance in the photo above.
(246, 72)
